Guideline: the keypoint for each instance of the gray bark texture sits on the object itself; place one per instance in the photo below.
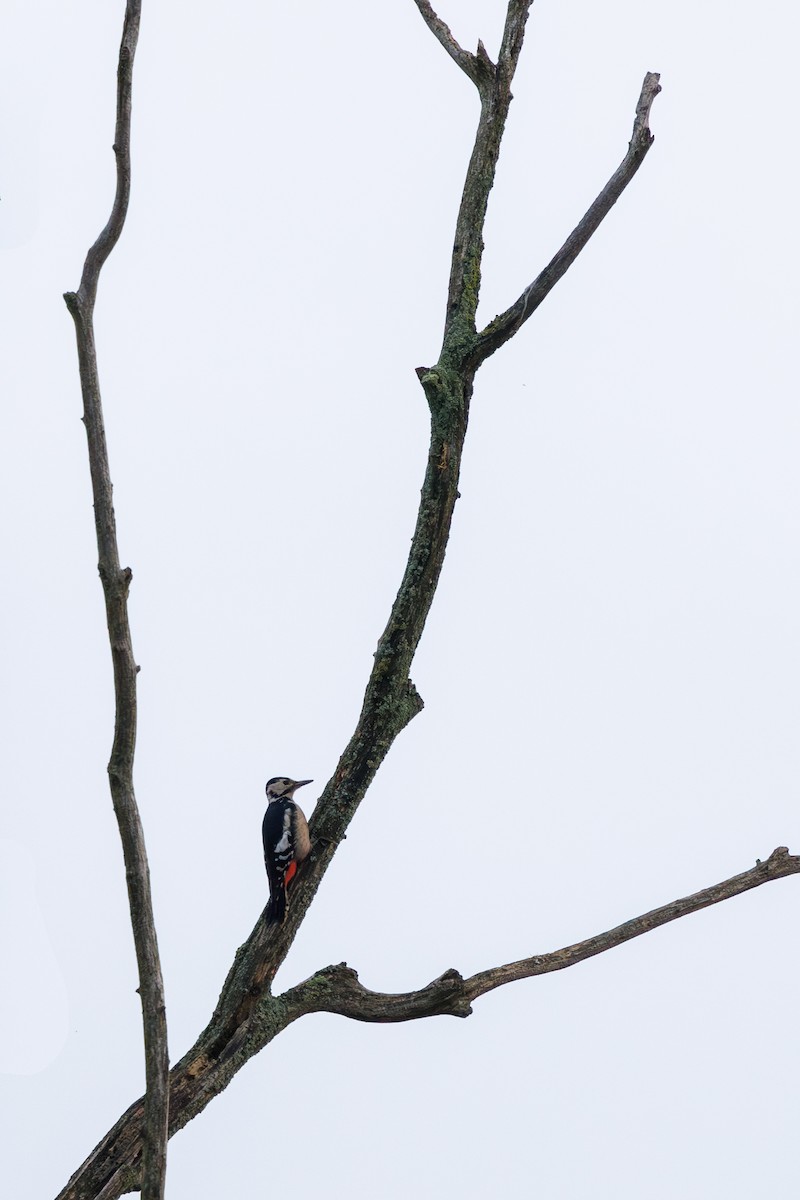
(248, 1016)
(116, 581)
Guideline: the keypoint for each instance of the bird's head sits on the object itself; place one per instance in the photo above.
(281, 788)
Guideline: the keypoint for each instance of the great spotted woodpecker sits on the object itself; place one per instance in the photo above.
(286, 840)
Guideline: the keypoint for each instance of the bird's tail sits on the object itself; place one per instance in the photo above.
(277, 905)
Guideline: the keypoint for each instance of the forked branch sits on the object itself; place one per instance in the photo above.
(473, 65)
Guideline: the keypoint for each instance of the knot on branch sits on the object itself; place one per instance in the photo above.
(338, 973)
(411, 702)
(780, 862)
(641, 125)
(451, 993)
(337, 989)
(446, 391)
(431, 382)
(485, 63)
(484, 71)
(72, 302)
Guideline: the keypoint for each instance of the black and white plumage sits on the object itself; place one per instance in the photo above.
(286, 840)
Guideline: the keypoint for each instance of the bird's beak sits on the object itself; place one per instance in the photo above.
(303, 782)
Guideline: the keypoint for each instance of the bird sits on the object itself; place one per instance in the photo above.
(286, 840)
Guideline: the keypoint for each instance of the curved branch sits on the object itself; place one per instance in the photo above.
(503, 327)
(338, 990)
(116, 583)
(110, 234)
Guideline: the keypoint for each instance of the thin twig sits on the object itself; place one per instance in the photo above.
(506, 325)
(116, 583)
(779, 865)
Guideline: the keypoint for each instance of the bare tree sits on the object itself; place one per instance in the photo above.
(132, 1156)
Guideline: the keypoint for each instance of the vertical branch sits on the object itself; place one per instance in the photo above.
(116, 583)
(493, 82)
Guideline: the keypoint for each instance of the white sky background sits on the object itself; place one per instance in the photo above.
(611, 668)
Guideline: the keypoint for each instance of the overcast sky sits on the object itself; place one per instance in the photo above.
(611, 670)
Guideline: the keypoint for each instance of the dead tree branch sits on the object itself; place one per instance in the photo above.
(247, 1016)
(337, 989)
(779, 865)
(503, 327)
(116, 583)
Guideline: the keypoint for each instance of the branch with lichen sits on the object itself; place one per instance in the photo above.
(248, 1016)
